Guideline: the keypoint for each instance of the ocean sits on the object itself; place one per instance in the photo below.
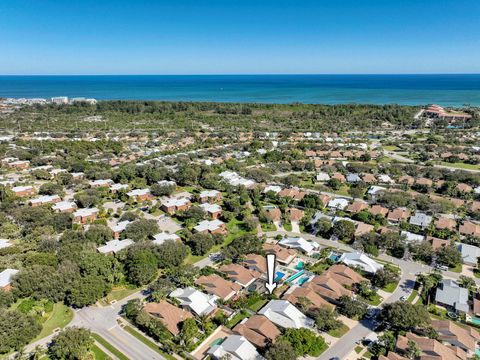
(445, 90)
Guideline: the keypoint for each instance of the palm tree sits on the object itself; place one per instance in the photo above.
(428, 282)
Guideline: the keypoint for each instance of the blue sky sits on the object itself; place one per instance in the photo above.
(239, 36)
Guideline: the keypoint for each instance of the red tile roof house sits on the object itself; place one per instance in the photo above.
(19, 164)
(469, 228)
(345, 275)
(295, 194)
(170, 315)
(209, 196)
(357, 206)
(273, 213)
(23, 191)
(369, 178)
(398, 214)
(451, 334)
(431, 349)
(283, 255)
(465, 188)
(294, 214)
(139, 195)
(259, 330)
(256, 262)
(324, 199)
(378, 210)
(216, 285)
(437, 243)
(339, 176)
(444, 222)
(85, 216)
(424, 181)
(295, 294)
(328, 288)
(239, 274)
(363, 229)
(406, 179)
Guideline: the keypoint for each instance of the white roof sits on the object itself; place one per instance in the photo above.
(167, 183)
(284, 314)
(209, 193)
(211, 208)
(234, 179)
(6, 277)
(175, 202)
(322, 176)
(338, 203)
(44, 199)
(138, 192)
(160, 238)
(197, 301)
(57, 171)
(421, 219)
(85, 212)
(411, 237)
(120, 226)
(118, 187)
(21, 188)
(384, 178)
(210, 225)
(101, 182)
(238, 347)
(361, 260)
(4, 243)
(115, 246)
(64, 205)
(374, 189)
(275, 188)
(300, 244)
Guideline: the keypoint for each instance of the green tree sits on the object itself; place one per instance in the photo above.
(189, 330)
(403, 316)
(71, 344)
(141, 229)
(141, 267)
(352, 308)
(304, 341)
(449, 256)
(344, 230)
(17, 330)
(385, 276)
(412, 351)
(87, 290)
(281, 350)
(326, 319)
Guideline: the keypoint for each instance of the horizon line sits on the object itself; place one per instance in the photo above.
(251, 74)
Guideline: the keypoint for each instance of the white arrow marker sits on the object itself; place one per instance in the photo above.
(271, 285)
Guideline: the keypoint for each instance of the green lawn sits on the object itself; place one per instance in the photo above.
(391, 147)
(237, 318)
(118, 293)
(358, 349)
(338, 333)
(99, 353)
(412, 296)
(234, 231)
(460, 165)
(390, 287)
(375, 300)
(287, 226)
(109, 347)
(258, 305)
(457, 269)
(59, 318)
(147, 342)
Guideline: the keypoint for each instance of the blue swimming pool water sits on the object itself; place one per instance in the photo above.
(303, 280)
(279, 275)
(295, 276)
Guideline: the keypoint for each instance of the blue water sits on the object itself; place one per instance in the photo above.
(279, 275)
(295, 276)
(449, 90)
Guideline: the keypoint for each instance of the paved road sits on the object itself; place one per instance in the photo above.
(347, 343)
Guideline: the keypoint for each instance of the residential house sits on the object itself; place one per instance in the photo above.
(363, 229)
(446, 222)
(470, 253)
(452, 296)
(211, 227)
(272, 212)
(101, 183)
(171, 316)
(258, 330)
(85, 216)
(139, 195)
(64, 207)
(398, 215)
(114, 246)
(469, 228)
(322, 177)
(283, 255)
(234, 347)
(6, 277)
(213, 210)
(118, 228)
(209, 196)
(171, 206)
(195, 301)
(357, 206)
(294, 214)
(361, 260)
(421, 219)
(286, 315)
(430, 349)
(296, 295)
(306, 246)
(218, 286)
(160, 238)
(240, 275)
(327, 287)
(378, 210)
(338, 203)
(344, 275)
(256, 262)
(353, 178)
(43, 200)
(292, 193)
(451, 334)
(369, 178)
(23, 191)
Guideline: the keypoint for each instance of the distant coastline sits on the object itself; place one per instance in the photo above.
(454, 90)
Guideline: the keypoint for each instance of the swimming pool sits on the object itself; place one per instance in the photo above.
(334, 257)
(303, 280)
(475, 320)
(279, 275)
(295, 276)
(300, 265)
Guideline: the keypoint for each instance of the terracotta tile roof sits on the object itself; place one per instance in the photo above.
(357, 206)
(464, 187)
(256, 262)
(469, 228)
(398, 214)
(444, 222)
(378, 210)
(363, 229)
(392, 356)
(294, 214)
(304, 292)
(424, 181)
(170, 315)
(451, 333)
(258, 330)
(273, 214)
(406, 179)
(325, 199)
(338, 176)
(431, 348)
(239, 274)
(218, 286)
(369, 178)
(292, 193)
(475, 206)
(328, 288)
(437, 243)
(283, 254)
(344, 275)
